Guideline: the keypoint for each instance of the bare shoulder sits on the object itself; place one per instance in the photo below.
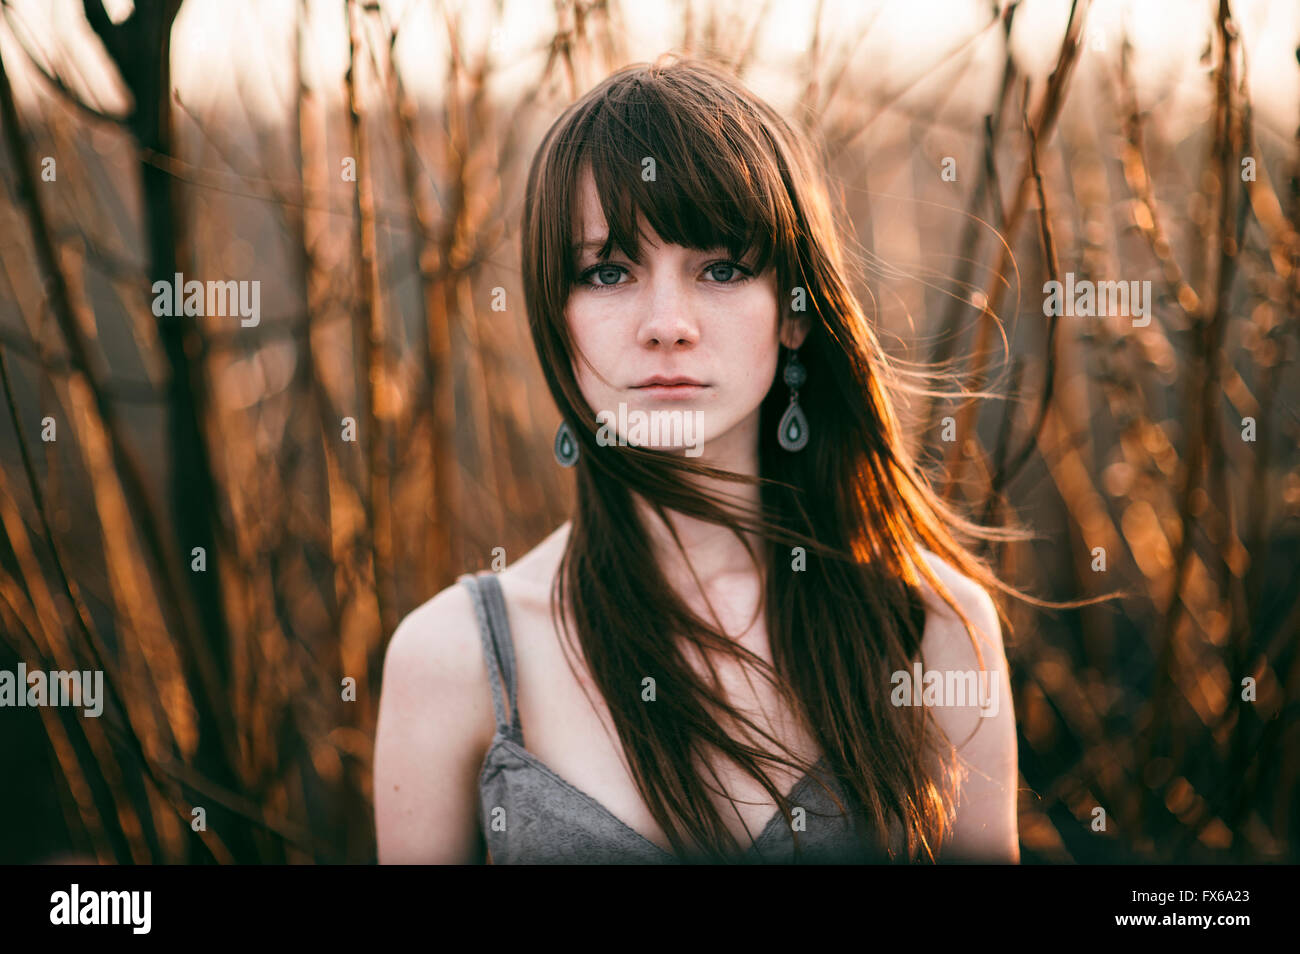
(436, 646)
(983, 728)
(530, 577)
(439, 643)
(436, 723)
(434, 728)
(945, 635)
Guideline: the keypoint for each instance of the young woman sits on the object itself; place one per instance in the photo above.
(713, 659)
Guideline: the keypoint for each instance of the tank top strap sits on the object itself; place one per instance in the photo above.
(498, 649)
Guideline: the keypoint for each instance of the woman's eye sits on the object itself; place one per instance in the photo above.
(730, 270)
(723, 273)
(609, 275)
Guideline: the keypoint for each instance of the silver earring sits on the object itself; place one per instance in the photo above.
(566, 447)
(792, 432)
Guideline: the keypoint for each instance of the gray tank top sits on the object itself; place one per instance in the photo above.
(530, 815)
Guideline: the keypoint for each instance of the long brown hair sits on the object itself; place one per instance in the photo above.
(731, 173)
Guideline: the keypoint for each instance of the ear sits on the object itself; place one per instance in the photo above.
(794, 329)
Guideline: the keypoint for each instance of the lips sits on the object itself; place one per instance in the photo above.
(660, 381)
(662, 388)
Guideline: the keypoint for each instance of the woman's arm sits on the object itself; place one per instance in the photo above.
(435, 724)
(985, 828)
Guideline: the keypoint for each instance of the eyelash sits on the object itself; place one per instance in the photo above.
(584, 278)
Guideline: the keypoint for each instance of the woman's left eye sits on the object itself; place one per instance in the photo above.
(728, 267)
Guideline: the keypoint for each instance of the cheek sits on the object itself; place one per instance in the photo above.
(758, 349)
(762, 307)
(590, 325)
(589, 335)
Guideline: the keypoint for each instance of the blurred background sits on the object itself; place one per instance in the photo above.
(229, 518)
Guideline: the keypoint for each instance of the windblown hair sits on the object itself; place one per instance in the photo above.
(731, 173)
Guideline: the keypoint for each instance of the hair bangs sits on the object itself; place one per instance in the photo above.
(698, 184)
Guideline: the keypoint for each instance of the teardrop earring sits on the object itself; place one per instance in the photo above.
(566, 447)
(792, 432)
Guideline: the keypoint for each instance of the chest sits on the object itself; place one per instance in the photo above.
(566, 724)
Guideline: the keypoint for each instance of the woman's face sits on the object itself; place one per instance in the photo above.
(680, 316)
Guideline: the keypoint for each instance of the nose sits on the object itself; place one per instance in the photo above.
(669, 322)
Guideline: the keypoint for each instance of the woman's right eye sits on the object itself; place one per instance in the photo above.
(609, 275)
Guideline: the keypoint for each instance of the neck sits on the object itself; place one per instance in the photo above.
(711, 550)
